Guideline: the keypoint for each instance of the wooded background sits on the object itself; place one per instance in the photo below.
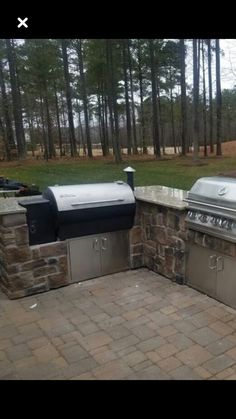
(69, 97)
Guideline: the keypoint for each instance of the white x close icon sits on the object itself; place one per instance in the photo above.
(22, 22)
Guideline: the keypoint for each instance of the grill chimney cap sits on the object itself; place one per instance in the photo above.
(129, 169)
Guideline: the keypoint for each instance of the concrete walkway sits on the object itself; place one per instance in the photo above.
(133, 325)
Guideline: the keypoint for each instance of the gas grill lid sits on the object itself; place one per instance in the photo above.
(79, 197)
(216, 191)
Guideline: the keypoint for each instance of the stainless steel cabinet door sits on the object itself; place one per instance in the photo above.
(201, 269)
(226, 280)
(114, 252)
(85, 258)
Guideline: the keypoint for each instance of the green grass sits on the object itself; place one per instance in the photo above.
(178, 173)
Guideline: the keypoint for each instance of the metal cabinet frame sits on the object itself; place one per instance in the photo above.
(97, 255)
(212, 273)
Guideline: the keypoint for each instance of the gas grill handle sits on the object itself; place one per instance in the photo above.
(191, 201)
(212, 258)
(104, 243)
(96, 245)
(97, 202)
(220, 263)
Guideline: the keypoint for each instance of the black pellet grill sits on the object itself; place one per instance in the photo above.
(93, 218)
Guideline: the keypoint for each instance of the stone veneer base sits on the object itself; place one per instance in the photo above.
(157, 241)
(27, 270)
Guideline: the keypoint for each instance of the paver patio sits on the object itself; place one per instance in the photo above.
(134, 325)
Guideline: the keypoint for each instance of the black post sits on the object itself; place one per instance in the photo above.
(130, 176)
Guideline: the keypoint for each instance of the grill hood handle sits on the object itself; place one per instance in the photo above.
(204, 204)
(97, 202)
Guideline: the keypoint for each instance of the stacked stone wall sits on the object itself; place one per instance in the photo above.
(25, 269)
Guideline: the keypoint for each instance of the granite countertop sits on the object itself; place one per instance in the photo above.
(10, 206)
(156, 194)
(162, 195)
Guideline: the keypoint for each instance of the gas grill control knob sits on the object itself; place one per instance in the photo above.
(229, 225)
(219, 222)
(213, 220)
(192, 215)
(203, 218)
(225, 224)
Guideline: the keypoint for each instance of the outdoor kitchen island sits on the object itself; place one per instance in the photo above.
(158, 242)
(160, 239)
(28, 269)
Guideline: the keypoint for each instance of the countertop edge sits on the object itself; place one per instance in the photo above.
(162, 198)
(162, 203)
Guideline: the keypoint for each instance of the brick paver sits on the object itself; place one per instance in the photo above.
(134, 325)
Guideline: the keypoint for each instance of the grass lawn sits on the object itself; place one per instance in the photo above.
(176, 172)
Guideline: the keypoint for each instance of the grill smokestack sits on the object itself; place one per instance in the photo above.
(130, 176)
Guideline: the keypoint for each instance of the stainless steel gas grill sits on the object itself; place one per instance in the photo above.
(211, 262)
(212, 207)
(81, 210)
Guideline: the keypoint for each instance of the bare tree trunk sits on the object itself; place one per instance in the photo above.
(64, 122)
(204, 101)
(144, 145)
(160, 120)
(19, 94)
(82, 133)
(228, 125)
(112, 103)
(210, 95)
(17, 111)
(101, 127)
(172, 114)
(6, 144)
(84, 96)
(58, 123)
(218, 101)
(156, 142)
(135, 148)
(43, 129)
(39, 133)
(127, 105)
(195, 100)
(68, 98)
(10, 143)
(30, 121)
(106, 123)
(51, 148)
(183, 98)
(104, 119)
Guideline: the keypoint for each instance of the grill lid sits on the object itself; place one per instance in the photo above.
(75, 197)
(215, 190)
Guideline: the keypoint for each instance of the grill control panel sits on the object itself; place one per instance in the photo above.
(212, 223)
(212, 220)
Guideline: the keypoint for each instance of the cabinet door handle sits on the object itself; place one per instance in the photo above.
(220, 263)
(212, 262)
(104, 243)
(96, 245)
